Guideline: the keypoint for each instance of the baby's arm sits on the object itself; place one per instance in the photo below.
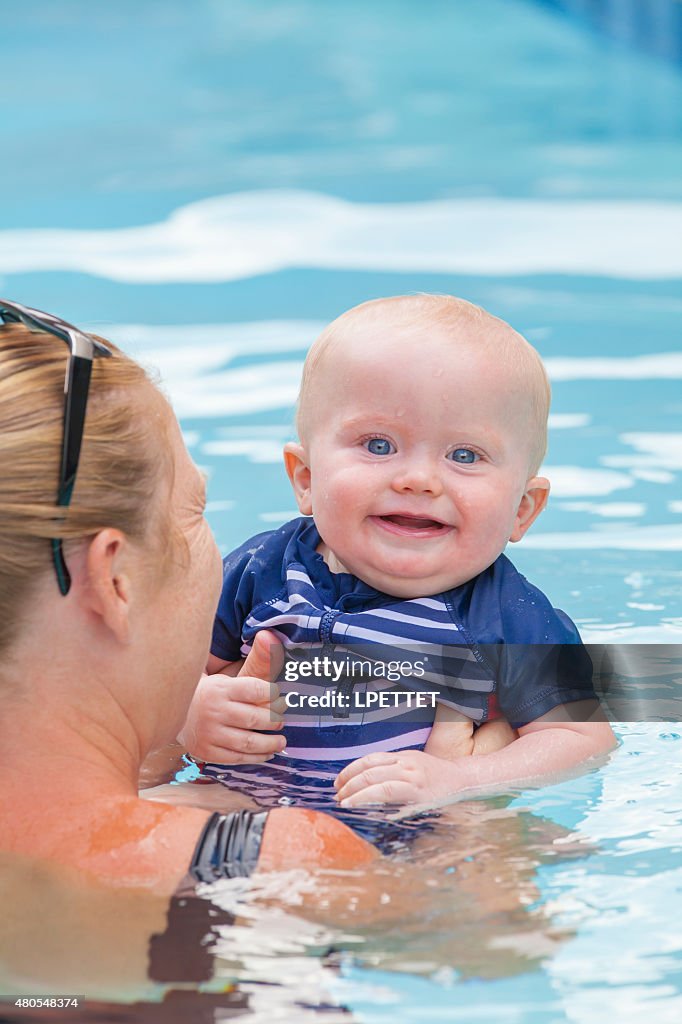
(226, 668)
(557, 743)
(232, 703)
(494, 735)
(453, 735)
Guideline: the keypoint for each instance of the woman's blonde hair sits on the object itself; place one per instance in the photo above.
(124, 460)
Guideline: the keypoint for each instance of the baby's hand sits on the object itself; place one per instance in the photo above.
(226, 711)
(399, 777)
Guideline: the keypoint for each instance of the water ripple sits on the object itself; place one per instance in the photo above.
(245, 234)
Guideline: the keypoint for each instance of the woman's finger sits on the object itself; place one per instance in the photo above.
(251, 716)
(250, 690)
(279, 707)
(245, 741)
(217, 755)
(266, 657)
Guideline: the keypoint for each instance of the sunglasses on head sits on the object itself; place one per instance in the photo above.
(84, 349)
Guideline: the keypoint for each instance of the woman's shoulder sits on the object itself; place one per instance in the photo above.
(147, 843)
(126, 842)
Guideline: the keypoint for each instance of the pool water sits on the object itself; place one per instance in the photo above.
(209, 184)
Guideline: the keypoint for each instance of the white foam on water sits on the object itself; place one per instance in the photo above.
(668, 631)
(609, 509)
(255, 450)
(652, 476)
(577, 481)
(568, 420)
(194, 361)
(654, 451)
(221, 505)
(279, 517)
(191, 438)
(641, 538)
(245, 234)
(657, 366)
(222, 394)
(209, 345)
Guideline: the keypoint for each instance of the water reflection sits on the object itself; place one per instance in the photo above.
(460, 901)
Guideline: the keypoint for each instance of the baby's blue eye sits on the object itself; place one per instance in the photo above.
(379, 446)
(464, 456)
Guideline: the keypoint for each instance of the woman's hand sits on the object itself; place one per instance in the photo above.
(227, 712)
(399, 777)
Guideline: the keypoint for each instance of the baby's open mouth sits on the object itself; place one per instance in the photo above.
(412, 525)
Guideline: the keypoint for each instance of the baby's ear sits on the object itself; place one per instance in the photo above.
(298, 470)
(532, 502)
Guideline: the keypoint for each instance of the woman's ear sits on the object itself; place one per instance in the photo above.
(109, 586)
(298, 470)
(533, 500)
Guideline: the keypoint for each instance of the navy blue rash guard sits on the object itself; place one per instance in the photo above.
(493, 642)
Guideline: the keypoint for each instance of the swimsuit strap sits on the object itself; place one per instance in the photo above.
(228, 846)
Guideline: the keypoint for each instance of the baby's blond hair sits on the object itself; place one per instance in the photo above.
(468, 323)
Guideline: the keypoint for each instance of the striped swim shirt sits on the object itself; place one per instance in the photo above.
(485, 643)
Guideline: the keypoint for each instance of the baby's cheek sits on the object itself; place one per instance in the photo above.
(340, 483)
(490, 519)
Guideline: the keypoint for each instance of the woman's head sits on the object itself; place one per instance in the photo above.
(125, 465)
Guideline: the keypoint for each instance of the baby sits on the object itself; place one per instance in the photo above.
(422, 423)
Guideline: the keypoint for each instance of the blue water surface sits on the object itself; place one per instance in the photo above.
(210, 183)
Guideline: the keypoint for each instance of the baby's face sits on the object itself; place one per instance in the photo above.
(415, 464)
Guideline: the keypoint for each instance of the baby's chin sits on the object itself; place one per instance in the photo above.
(410, 589)
(410, 585)
(408, 582)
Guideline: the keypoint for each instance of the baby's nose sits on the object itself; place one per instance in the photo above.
(419, 477)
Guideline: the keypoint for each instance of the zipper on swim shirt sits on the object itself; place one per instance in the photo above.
(326, 627)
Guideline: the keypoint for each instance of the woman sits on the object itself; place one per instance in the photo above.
(109, 580)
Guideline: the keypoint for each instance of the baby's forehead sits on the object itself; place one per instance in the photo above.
(402, 341)
(393, 344)
(393, 377)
